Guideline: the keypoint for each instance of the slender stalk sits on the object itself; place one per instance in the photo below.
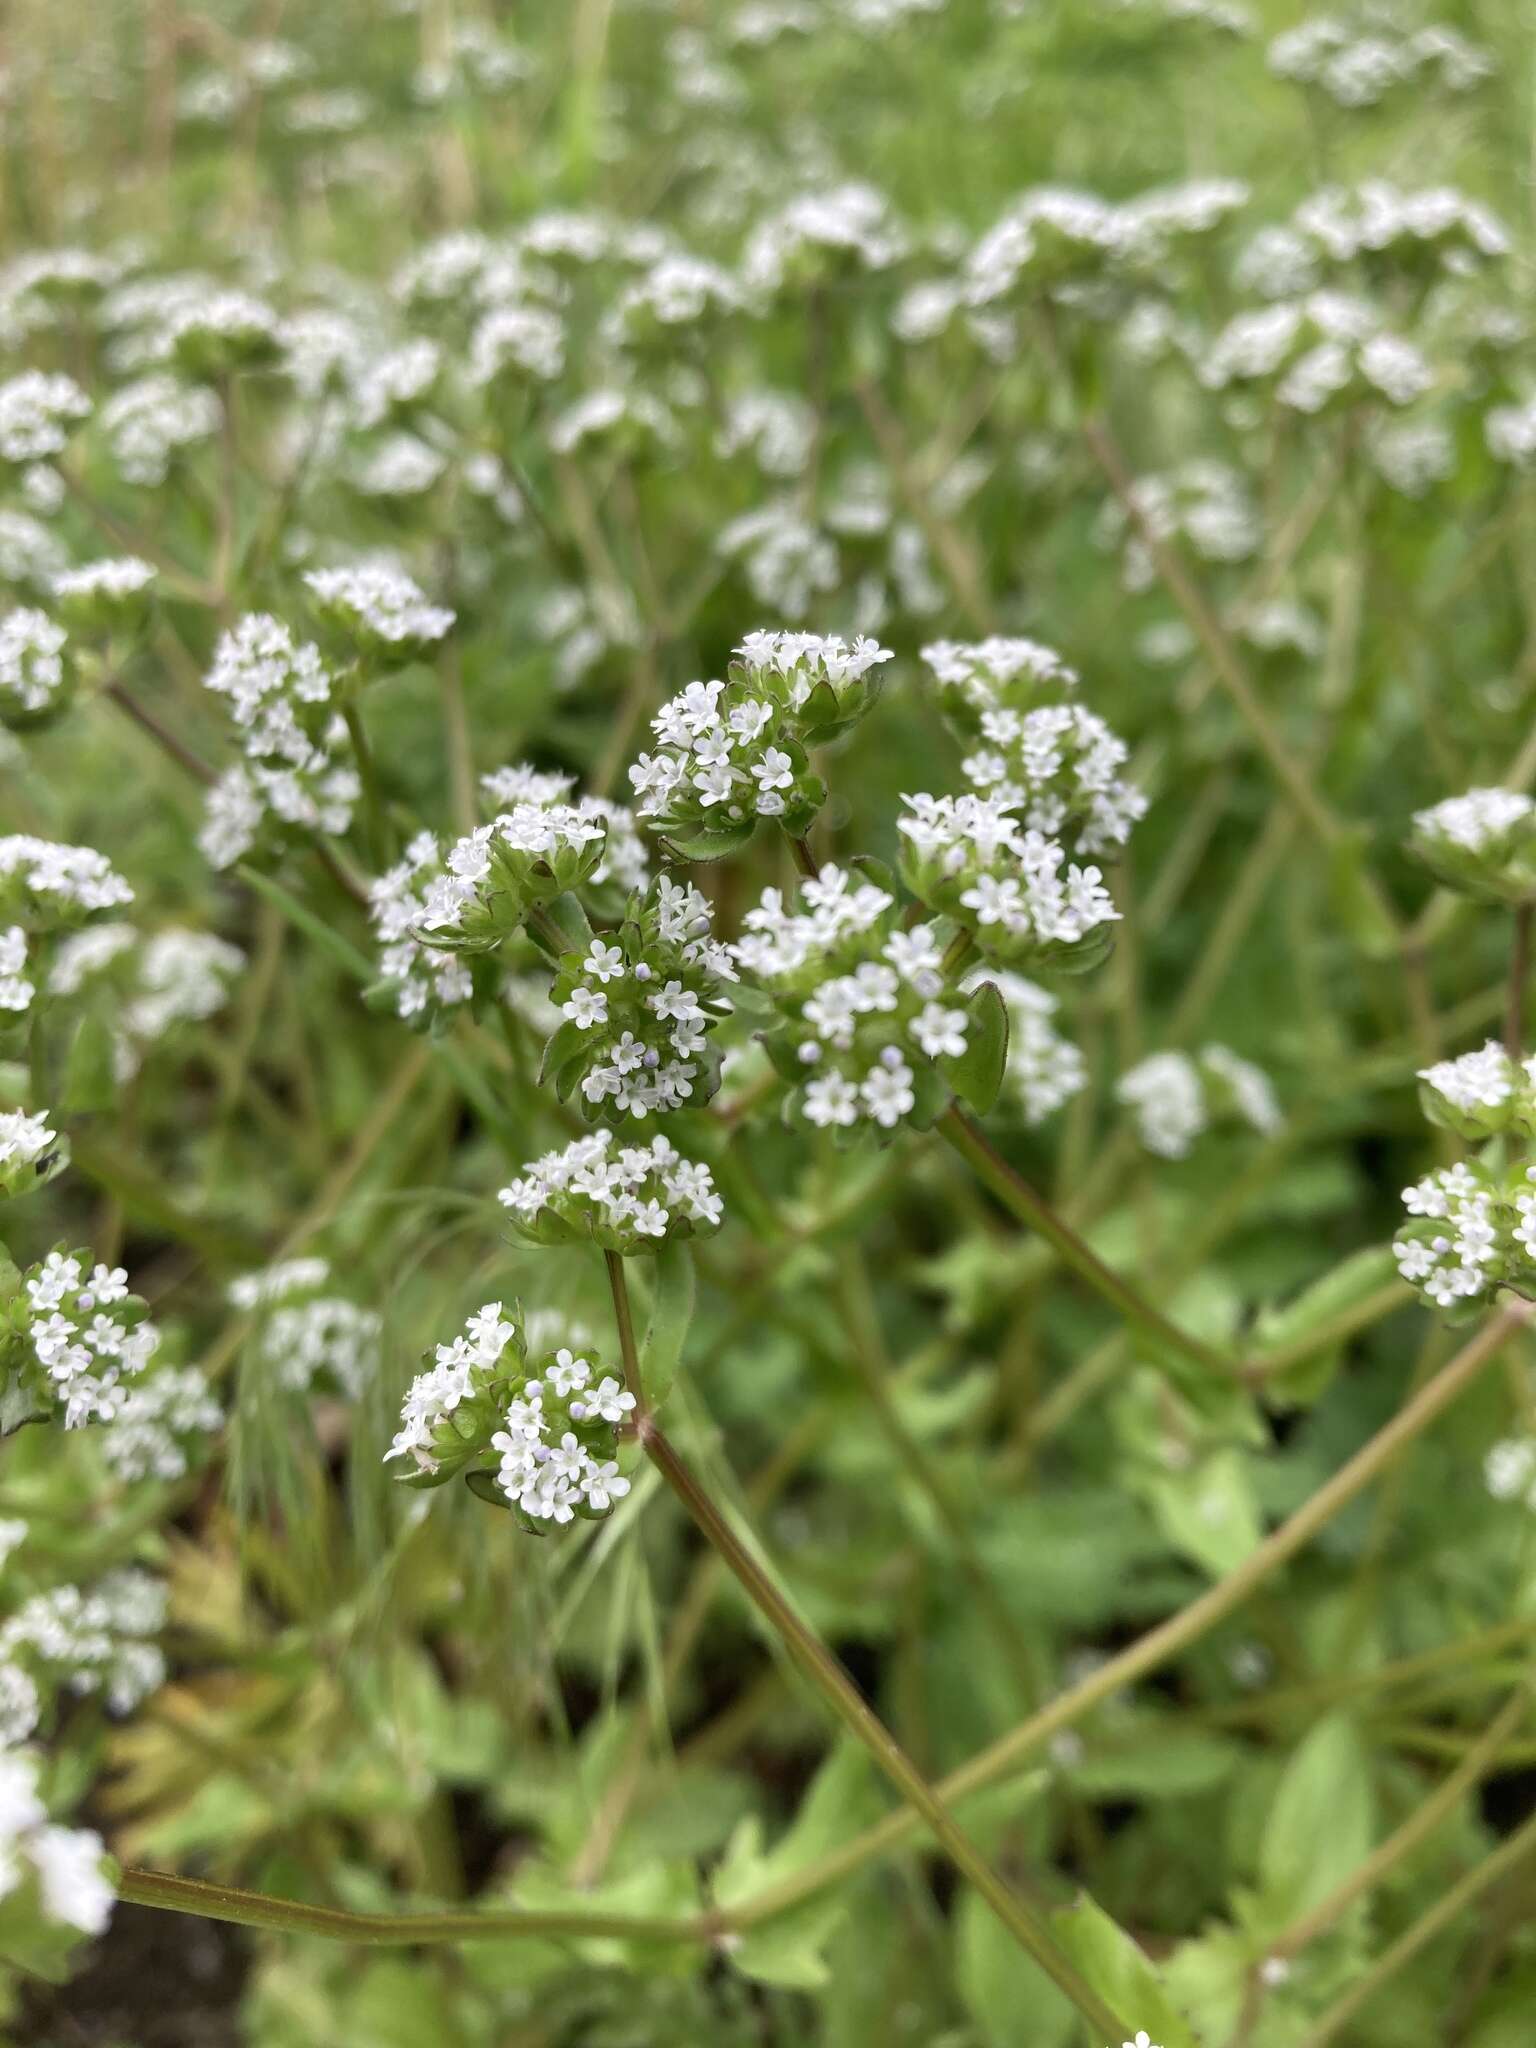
(170, 742)
(375, 818)
(827, 1676)
(1422, 1822)
(396, 1930)
(805, 860)
(1519, 975)
(1446, 1909)
(1032, 1210)
(1159, 1646)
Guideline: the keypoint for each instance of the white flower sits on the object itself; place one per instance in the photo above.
(68, 1863)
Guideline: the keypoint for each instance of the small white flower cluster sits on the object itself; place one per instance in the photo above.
(863, 1002)
(1481, 1093)
(1012, 888)
(149, 422)
(638, 1007)
(214, 330)
(1044, 1069)
(1204, 504)
(1482, 842)
(558, 1442)
(1327, 346)
(1460, 1248)
(981, 675)
(629, 1199)
(86, 1334)
(786, 559)
(176, 976)
(1175, 1098)
(280, 695)
(1510, 432)
(733, 752)
(1509, 1470)
(1357, 63)
(307, 1338)
(65, 1864)
(97, 1642)
(624, 862)
(381, 607)
(47, 886)
(619, 416)
(38, 411)
(848, 227)
(1056, 764)
(158, 1418)
(424, 980)
(528, 854)
(114, 578)
(451, 1405)
(33, 675)
(25, 1140)
(1376, 218)
(16, 989)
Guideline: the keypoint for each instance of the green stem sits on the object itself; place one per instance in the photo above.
(396, 1930)
(831, 1681)
(805, 860)
(1162, 1644)
(375, 818)
(1424, 1819)
(1032, 1210)
(1447, 1909)
(1519, 974)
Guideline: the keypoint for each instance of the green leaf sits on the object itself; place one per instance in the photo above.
(1166, 1762)
(1322, 1823)
(1010, 1998)
(667, 1331)
(1122, 1973)
(1209, 1511)
(977, 1074)
(712, 843)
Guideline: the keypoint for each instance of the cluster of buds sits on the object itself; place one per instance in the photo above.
(48, 887)
(35, 672)
(1471, 1230)
(731, 753)
(871, 1030)
(637, 1008)
(294, 776)
(1482, 843)
(541, 1438)
(1034, 751)
(71, 1334)
(627, 1200)
(380, 611)
(1014, 890)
